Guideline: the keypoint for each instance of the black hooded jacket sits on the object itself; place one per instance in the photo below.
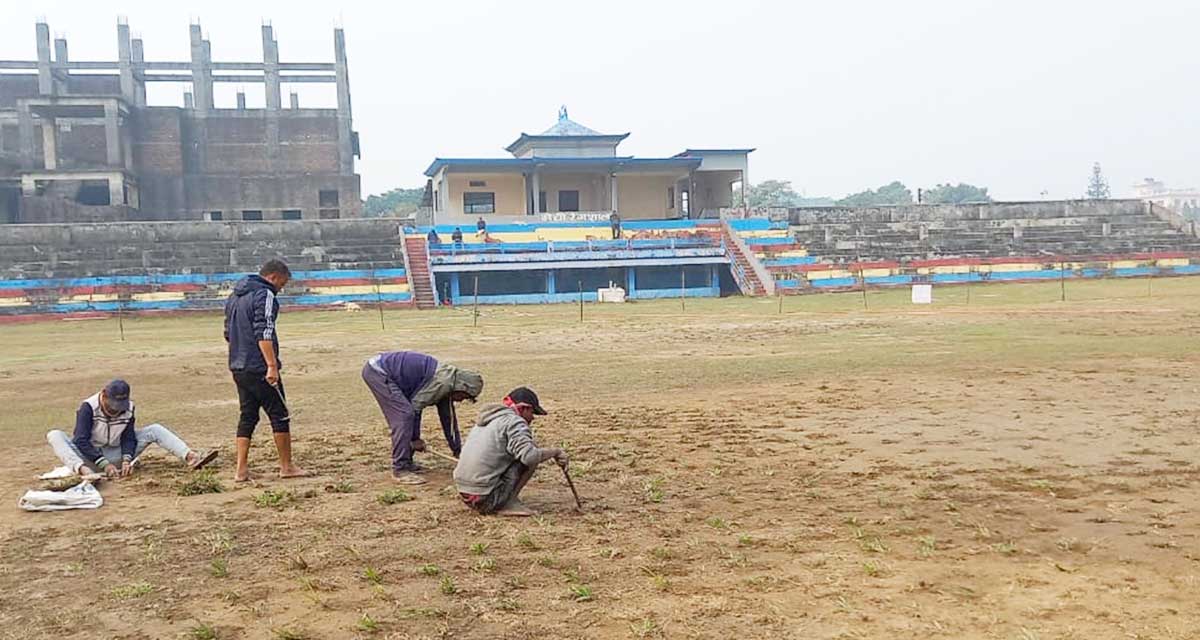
(250, 314)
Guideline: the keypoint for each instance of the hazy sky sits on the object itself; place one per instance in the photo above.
(1020, 96)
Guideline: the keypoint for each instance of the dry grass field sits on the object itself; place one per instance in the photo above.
(1010, 467)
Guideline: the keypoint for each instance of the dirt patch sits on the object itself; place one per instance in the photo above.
(744, 474)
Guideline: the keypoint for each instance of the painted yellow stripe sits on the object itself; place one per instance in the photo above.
(1011, 266)
(1125, 264)
(1174, 262)
(358, 289)
(792, 253)
(957, 268)
(833, 273)
(14, 302)
(159, 295)
(96, 297)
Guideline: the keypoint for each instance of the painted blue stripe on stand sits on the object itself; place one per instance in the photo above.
(351, 297)
(1135, 271)
(787, 262)
(834, 282)
(1190, 268)
(882, 280)
(750, 224)
(754, 242)
(956, 277)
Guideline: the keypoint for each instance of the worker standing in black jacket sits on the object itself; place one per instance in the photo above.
(250, 315)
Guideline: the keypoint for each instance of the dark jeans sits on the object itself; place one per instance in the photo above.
(501, 494)
(254, 394)
(398, 411)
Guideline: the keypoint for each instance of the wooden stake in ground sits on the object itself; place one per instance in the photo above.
(379, 302)
(570, 483)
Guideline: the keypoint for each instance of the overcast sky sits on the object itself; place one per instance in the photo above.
(1021, 96)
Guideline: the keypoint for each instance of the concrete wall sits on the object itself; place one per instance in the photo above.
(1002, 212)
(592, 188)
(508, 187)
(644, 197)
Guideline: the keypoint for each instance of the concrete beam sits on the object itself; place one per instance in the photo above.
(116, 190)
(295, 101)
(50, 144)
(59, 68)
(271, 68)
(45, 79)
(241, 100)
(345, 127)
(125, 63)
(139, 69)
(112, 135)
(201, 85)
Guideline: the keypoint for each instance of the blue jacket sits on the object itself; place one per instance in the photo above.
(250, 314)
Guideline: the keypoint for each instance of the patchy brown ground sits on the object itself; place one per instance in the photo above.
(1016, 468)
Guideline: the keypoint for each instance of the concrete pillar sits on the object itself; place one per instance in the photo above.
(201, 84)
(551, 285)
(60, 71)
(241, 100)
(28, 186)
(295, 100)
(112, 135)
(116, 190)
(25, 138)
(1106, 229)
(455, 291)
(630, 281)
(188, 101)
(270, 68)
(613, 196)
(714, 277)
(139, 69)
(345, 130)
(45, 78)
(537, 193)
(1018, 232)
(125, 63)
(50, 143)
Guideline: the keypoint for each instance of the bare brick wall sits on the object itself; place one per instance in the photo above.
(81, 147)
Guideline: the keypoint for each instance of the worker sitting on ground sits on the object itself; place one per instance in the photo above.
(105, 438)
(404, 384)
(500, 455)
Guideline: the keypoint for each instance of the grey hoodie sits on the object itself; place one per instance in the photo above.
(500, 438)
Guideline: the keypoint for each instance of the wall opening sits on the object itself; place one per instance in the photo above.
(94, 193)
(291, 214)
(327, 198)
(252, 215)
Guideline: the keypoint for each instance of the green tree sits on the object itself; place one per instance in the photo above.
(955, 193)
(892, 193)
(779, 193)
(1098, 185)
(393, 203)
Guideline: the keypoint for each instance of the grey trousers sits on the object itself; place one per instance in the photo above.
(157, 434)
(401, 418)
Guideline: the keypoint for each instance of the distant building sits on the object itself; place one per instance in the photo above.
(571, 172)
(1182, 201)
(78, 142)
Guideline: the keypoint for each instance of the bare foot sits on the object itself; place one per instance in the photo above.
(293, 472)
(514, 508)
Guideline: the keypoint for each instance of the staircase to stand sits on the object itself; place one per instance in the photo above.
(420, 277)
(747, 269)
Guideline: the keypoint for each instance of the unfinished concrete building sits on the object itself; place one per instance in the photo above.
(79, 143)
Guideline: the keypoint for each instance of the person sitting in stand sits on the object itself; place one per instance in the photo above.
(432, 237)
(457, 237)
(481, 227)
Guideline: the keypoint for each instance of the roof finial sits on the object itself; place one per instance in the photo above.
(562, 113)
